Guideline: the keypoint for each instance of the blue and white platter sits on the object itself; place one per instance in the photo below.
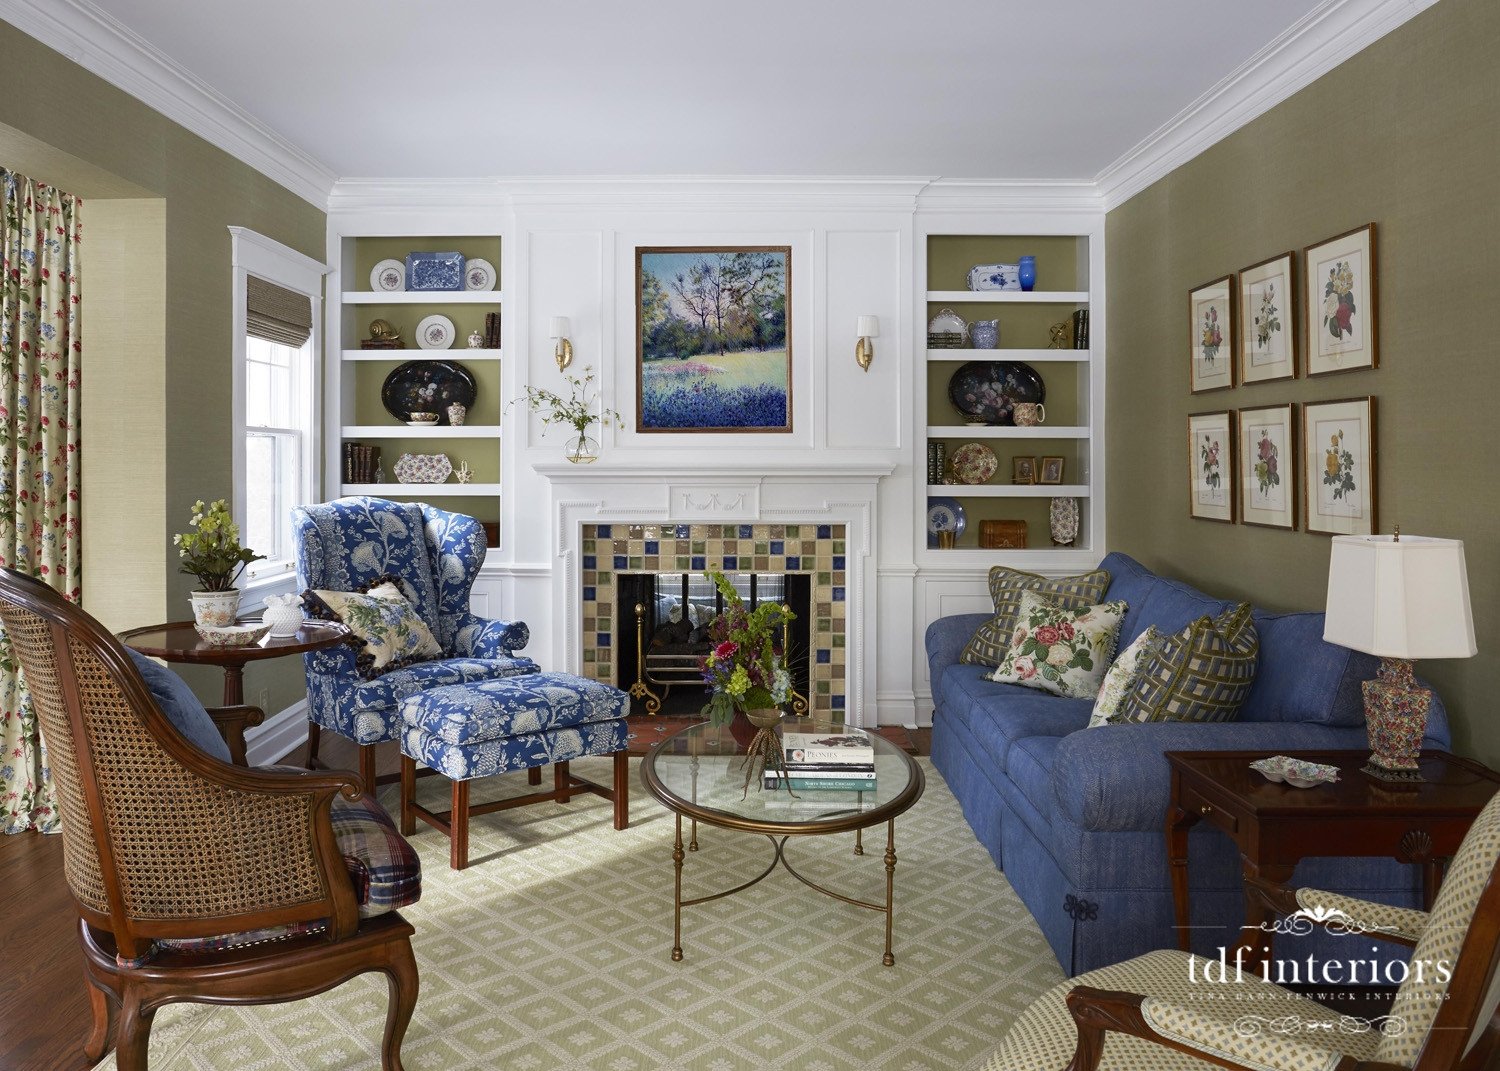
(945, 515)
(434, 271)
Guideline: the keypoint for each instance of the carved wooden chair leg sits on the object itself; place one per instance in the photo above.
(133, 1034)
(408, 795)
(314, 731)
(622, 789)
(367, 767)
(458, 823)
(402, 1001)
(100, 998)
(562, 782)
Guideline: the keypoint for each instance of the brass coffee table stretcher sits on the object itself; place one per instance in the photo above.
(695, 774)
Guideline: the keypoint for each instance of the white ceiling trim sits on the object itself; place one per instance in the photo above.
(102, 45)
(1306, 51)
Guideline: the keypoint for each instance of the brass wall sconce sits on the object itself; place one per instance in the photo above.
(864, 349)
(564, 352)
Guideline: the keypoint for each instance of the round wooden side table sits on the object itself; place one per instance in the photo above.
(178, 641)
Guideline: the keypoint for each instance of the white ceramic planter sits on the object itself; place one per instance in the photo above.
(217, 609)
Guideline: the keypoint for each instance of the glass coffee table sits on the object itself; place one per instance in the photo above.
(697, 774)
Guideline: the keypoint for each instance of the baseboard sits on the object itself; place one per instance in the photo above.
(895, 708)
(278, 736)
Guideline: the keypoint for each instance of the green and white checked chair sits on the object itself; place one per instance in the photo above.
(1147, 1014)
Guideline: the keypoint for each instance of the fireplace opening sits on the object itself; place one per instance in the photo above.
(664, 619)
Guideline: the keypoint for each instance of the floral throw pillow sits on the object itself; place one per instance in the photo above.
(1059, 649)
(388, 632)
(1124, 671)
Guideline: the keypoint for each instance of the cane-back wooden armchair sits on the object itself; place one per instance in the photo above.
(195, 879)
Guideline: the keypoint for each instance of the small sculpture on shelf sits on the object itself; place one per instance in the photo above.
(382, 337)
(463, 474)
(1060, 335)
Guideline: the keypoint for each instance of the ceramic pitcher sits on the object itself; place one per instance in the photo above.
(1029, 414)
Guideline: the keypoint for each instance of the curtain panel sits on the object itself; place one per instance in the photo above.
(40, 348)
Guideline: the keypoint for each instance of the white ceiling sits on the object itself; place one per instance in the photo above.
(1051, 90)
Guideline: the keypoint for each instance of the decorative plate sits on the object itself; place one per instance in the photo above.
(434, 271)
(1296, 772)
(1063, 521)
(427, 387)
(973, 463)
(479, 274)
(422, 468)
(948, 322)
(388, 275)
(945, 515)
(232, 635)
(995, 277)
(989, 390)
(435, 332)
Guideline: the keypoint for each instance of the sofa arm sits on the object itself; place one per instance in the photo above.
(1116, 777)
(945, 641)
(480, 637)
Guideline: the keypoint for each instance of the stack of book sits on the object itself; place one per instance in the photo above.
(361, 463)
(492, 330)
(840, 760)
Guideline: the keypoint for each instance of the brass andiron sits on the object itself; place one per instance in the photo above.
(640, 689)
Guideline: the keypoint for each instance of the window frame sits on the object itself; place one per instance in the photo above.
(255, 254)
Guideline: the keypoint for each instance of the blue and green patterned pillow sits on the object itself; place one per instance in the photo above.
(1202, 673)
(988, 645)
(1124, 671)
(1059, 649)
(388, 633)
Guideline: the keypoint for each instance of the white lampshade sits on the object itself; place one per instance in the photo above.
(1399, 598)
(561, 328)
(869, 327)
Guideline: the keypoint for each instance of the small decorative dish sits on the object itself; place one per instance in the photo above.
(479, 274)
(434, 271)
(422, 420)
(995, 277)
(1298, 773)
(973, 463)
(232, 635)
(945, 515)
(422, 468)
(388, 275)
(948, 322)
(435, 332)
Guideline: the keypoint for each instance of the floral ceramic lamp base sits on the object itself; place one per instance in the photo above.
(1396, 719)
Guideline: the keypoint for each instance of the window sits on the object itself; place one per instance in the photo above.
(276, 375)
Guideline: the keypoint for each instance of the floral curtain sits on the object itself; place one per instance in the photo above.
(39, 355)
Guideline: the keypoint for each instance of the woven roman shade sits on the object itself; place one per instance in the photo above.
(277, 314)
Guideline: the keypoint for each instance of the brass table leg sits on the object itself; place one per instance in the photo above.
(890, 889)
(677, 856)
(859, 842)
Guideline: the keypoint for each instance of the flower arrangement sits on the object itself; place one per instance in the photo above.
(576, 411)
(747, 667)
(211, 551)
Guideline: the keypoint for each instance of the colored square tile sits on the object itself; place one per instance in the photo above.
(824, 579)
(762, 565)
(684, 562)
(746, 531)
(621, 562)
(590, 561)
(603, 639)
(838, 561)
(731, 562)
(793, 564)
(821, 687)
(778, 531)
(621, 546)
(653, 531)
(589, 594)
(699, 562)
(602, 531)
(810, 547)
(684, 531)
(606, 672)
(824, 655)
(763, 547)
(838, 702)
(636, 531)
(653, 563)
(637, 563)
(838, 594)
(825, 531)
(590, 577)
(589, 654)
(793, 530)
(699, 546)
(653, 546)
(838, 639)
(838, 546)
(588, 546)
(635, 547)
(778, 546)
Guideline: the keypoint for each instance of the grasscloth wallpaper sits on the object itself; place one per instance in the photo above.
(1403, 135)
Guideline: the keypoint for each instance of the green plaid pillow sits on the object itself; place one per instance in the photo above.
(988, 646)
(1203, 673)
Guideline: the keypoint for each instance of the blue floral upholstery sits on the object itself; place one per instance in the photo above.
(476, 730)
(346, 544)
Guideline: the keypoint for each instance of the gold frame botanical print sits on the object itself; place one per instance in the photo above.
(1268, 322)
(1211, 336)
(1339, 472)
(1211, 471)
(1342, 303)
(1268, 466)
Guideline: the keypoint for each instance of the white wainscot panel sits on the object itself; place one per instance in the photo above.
(564, 277)
(864, 279)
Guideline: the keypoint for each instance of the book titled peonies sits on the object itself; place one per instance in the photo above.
(1065, 652)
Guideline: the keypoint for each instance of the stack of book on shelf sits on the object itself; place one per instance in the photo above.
(840, 760)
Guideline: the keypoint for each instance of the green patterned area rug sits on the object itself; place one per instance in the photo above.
(552, 952)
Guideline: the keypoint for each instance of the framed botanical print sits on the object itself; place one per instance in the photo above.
(1211, 466)
(1268, 325)
(1339, 475)
(1342, 303)
(1268, 466)
(1211, 336)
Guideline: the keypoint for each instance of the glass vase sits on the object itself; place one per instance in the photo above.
(583, 450)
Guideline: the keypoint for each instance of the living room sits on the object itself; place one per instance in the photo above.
(1057, 206)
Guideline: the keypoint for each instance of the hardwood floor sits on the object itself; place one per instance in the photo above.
(44, 1011)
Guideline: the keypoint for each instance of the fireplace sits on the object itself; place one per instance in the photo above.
(665, 619)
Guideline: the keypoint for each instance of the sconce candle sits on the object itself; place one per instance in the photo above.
(864, 350)
(561, 329)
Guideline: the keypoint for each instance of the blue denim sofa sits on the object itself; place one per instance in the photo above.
(1075, 816)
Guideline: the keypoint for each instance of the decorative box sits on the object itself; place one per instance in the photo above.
(434, 271)
(992, 277)
(1002, 535)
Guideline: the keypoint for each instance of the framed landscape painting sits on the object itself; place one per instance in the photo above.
(1268, 327)
(1211, 466)
(713, 338)
(1341, 303)
(1338, 450)
(1268, 467)
(1211, 336)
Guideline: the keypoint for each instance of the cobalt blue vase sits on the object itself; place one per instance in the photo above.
(1028, 272)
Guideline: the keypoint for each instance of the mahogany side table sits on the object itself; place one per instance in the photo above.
(178, 641)
(1276, 825)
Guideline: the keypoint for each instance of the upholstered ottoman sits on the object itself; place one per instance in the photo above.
(464, 731)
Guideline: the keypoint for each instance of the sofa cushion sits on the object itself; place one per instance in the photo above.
(1132, 583)
(182, 708)
(1203, 673)
(1031, 771)
(1172, 605)
(989, 643)
(998, 715)
(1303, 679)
(528, 703)
(387, 692)
(1064, 651)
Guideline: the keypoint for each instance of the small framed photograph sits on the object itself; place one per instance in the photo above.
(1339, 474)
(1268, 322)
(1342, 303)
(1023, 470)
(1211, 466)
(1051, 470)
(1211, 336)
(1268, 466)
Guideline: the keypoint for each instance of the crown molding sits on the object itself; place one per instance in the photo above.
(97, 42)
(1309, 49)
(987, 195)
(376, 195)
(717, 192)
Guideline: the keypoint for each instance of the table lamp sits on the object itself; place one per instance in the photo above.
(1401, 598)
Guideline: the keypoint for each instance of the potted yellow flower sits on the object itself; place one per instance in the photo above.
(212, 553)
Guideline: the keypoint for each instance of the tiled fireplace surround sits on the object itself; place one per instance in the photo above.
(610, 519)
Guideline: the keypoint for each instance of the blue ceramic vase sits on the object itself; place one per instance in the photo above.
(1028, 272)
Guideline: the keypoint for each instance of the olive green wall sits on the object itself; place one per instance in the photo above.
(1402, 134)
(204, 191)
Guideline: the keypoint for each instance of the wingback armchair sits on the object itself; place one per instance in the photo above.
(350, 544)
